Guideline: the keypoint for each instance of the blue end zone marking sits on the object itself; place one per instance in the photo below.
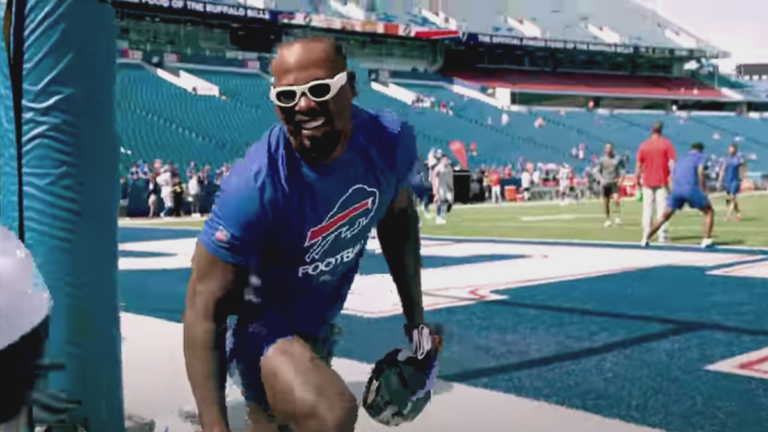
(155, 293)
(136, 234)
(631, 346)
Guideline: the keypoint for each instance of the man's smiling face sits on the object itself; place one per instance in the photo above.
(316, 128)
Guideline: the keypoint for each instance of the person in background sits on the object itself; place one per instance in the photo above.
(495, 179)
(152, 193)
(178, 194)
(475, 185)
(564, 180)
(526, 183)
(689, 186)
(609, 172)
(730, 178)
(486, 184)
(194, 191)
(165, 181)
(442, 187)
(425, 189)
(191, 170)
(125, 189)
(654, 162)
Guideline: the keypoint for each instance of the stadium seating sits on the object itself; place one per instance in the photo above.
(569, 19)
(220, 129)
(157, 119)
(474, 121)
(564, 129)
(581, 83)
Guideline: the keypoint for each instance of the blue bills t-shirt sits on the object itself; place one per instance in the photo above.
(301, 230)
(686, 175)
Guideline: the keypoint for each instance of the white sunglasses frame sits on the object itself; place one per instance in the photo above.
(336, 84)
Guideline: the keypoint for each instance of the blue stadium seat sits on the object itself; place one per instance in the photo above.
(157, 119)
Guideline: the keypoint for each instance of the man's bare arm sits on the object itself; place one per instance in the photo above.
(203, 353)
(399, 238)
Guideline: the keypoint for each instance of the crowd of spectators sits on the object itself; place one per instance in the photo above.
(162, 189)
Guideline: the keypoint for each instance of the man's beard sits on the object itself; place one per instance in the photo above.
(314, 150)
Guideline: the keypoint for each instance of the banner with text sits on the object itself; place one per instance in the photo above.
(194, 8)
(243, 14)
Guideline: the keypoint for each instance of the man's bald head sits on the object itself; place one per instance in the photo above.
(318, 52)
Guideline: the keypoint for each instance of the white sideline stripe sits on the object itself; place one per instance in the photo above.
(579, 202)
(558, 217)
(156, 387)
(522, 240)
(586, 242)
(756, 269)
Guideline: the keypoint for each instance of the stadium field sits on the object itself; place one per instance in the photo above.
(563, 325)
(584, 221)
(546, 336)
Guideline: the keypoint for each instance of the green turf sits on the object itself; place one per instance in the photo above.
(584, 221)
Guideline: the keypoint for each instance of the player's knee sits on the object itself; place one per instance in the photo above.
(324, 413)
(304, 391)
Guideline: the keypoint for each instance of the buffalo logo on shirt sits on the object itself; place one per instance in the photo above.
(351, 214)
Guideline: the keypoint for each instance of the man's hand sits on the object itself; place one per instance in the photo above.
(426, 344)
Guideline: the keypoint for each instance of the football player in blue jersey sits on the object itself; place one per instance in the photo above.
(688, 187)
(730, 177)
(283, 245)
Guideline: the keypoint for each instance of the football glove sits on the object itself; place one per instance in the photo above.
(400, 386)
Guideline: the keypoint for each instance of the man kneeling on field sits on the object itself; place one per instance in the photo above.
(283, 246)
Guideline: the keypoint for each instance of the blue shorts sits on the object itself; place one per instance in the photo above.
(733, 188)
(695, 198)
(249, 340)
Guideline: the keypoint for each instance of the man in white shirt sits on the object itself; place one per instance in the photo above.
(442, 185)
(194, 191)
(564, 178)
(526, 180)
(165, 181)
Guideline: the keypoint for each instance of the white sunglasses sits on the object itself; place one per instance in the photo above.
(318, 91)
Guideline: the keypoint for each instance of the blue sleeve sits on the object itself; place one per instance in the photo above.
(235, 232)
(702, 161)
(397, 148)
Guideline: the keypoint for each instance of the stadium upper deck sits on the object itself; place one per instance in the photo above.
(458, 63)
(594, 84)
(614, 21)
